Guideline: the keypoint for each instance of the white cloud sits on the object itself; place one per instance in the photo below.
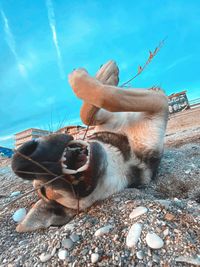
(178, 61)
(52, 24)
(12, 45)
(6, 137)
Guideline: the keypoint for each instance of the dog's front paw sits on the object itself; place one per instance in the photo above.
(84, 86)
(76, 78)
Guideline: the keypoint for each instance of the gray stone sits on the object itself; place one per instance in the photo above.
(165, 203)
(74, 237)
(67, 243)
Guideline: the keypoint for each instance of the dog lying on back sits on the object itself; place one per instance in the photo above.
(124, 152)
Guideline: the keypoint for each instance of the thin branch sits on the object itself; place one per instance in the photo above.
(140, 68)
(38, 173)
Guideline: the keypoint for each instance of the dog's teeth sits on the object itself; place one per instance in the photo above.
(83, 168)
(63, 165)
(68, 171)
(63, 158)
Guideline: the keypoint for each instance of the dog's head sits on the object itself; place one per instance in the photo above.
(78, 163)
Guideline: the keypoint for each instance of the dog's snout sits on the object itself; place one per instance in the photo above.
(35, 156)
(29, 147)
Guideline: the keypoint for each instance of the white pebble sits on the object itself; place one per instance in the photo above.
(45, 257)
(67, 243)
(190, 260)
(166, 232)
(154, 241)
(133, 235)
(69, 227)
(15, 194)
(74, 237)
(53, 251)
(137, 212)
(188, 171)
(94, 257)
(62, 254)
(19, 215)
(140, 254)
(103, 230)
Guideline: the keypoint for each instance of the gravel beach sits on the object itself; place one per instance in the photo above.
(154, 226)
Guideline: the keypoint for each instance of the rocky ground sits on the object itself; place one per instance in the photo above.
(156, 226)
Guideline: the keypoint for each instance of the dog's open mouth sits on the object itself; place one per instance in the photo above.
(76, 157)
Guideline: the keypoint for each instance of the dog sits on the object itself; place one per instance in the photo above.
(125, 150)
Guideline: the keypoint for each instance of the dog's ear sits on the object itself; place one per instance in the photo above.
(43, 214)
(108, 73)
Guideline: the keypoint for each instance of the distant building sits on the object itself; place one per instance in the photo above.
(5, 152)
(72, 129)
(77, 131)
(178, 102)
(29, 134)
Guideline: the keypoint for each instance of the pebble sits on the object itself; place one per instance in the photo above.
(62, 254)
(67, 243)
(133, 235)
(154, 241)
(69, 227)
(45, 257)
(19, 215)
(164, 202)
(15, 194)
(169, 217)
(103, 230)
(94, 257)
(166, 232)
(190, 260)
(140, 254)
(74, 237)
(84, 251)
(137, 212)
(53, 251)
(188, 171)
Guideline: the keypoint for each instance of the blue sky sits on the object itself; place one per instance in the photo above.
(42, 41)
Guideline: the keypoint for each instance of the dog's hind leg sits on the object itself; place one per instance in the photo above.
(91, 114)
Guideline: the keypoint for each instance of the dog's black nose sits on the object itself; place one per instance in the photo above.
(46, 152)
(29, 147)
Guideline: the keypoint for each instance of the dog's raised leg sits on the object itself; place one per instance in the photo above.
(115, 99)
(107, 74)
